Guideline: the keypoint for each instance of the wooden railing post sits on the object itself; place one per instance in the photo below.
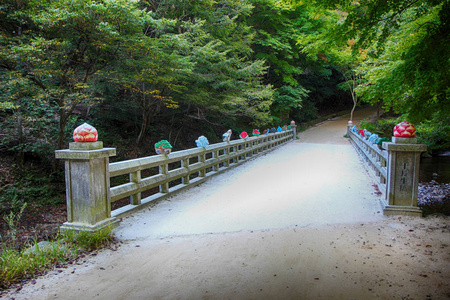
(164, 187)
(202, 159)
(135, 177)
(87, 186)
(185, 164)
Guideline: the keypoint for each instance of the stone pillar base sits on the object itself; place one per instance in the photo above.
(395, 210)
(111, 222)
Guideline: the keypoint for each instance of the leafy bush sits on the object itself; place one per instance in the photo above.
(307, 113)
(435, 133)
(382, 127)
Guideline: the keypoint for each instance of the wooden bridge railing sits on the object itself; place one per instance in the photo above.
(89, 173)
(396, 170)
(374, 157)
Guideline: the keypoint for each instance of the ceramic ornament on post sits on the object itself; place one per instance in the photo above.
(163, 147)
(202, 141)
(226, 137)
(85, 133)
(292, 122)
(256, 132)
(404, 130)
(243, 135)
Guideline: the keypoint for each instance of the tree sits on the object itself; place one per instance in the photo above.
(224, 78)
(66, 47)
(408, 59)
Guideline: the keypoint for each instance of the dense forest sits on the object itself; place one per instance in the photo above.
(145, 70)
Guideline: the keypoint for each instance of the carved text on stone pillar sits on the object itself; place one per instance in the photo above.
(404, 178)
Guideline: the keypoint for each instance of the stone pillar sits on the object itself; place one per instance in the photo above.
(87, 186)
(294, 131)
(349, 126)
(403, 176)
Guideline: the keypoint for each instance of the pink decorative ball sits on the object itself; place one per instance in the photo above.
(350, 123)
(404, 130)
(85, 133)
(292, 122)
(243, 135)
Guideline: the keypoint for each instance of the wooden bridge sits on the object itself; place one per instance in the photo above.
(315, 178)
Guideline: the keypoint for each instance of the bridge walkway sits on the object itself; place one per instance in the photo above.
(315, 180)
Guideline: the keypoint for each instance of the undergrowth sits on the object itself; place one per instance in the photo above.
(18, 265)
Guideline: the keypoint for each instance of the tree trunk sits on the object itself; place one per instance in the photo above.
(144, 126)
(20, 158)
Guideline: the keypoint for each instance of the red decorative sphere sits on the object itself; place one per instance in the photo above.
(404, 130)
(292, 122)
(243, 135)
(85, 133)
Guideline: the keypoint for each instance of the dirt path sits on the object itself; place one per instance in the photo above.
(302, 222)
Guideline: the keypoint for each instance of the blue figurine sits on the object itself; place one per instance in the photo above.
(226, 136)
(279, 129)
(202, 141)
(374, 138)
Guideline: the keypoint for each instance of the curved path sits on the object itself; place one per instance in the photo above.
(301, 222)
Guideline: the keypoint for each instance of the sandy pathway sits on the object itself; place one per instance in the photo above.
(301, 222)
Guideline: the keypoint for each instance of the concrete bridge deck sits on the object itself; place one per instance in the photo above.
(315, 180)
(302, 222)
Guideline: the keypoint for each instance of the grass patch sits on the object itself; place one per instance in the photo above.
(17, 265)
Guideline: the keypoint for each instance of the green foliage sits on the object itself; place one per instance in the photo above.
(287, 99)
(12, 220)
(276, 26)
(384, 127)
(435, 133)
(32, 188)
(307, 113)
(86, 240)
(16, 265)
(407, 44)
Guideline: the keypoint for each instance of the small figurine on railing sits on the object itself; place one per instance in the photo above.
(85, 133)
(374, 138)
(163, 147)
(226, 137)
(367, 134)
(202, 141)
(404, 130)
(361, 132)
(266, 131)
(273, 130)
(243, 135)
(284, 128)
(279, 129)
(256, 132)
